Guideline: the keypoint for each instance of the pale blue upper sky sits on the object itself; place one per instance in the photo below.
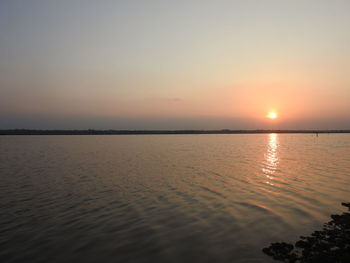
(174, 64)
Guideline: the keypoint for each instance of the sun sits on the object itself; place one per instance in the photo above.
(272, 115)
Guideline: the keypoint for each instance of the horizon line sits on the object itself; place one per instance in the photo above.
(160, 131)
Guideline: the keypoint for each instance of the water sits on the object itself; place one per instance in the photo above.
(165, 198)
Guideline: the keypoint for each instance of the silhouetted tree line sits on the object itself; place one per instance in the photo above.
(330, 245)
(140, 132)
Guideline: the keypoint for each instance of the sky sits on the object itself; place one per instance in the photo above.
(108, 64)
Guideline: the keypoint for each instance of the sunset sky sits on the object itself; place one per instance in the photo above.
(79, 64)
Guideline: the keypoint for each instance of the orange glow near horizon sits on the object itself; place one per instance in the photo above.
(272, 115)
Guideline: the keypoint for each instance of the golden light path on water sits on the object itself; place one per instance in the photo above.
(271, 158)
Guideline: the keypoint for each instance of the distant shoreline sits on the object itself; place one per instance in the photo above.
(155, 132)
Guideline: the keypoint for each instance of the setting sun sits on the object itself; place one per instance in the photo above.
(272, 115)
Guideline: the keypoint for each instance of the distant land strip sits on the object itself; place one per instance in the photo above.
(154, 132)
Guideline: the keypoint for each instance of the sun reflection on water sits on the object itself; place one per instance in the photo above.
(271, 158)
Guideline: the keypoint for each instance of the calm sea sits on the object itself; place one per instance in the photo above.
(166, 198)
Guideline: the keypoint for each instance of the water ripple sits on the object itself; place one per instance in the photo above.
(165, 198)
